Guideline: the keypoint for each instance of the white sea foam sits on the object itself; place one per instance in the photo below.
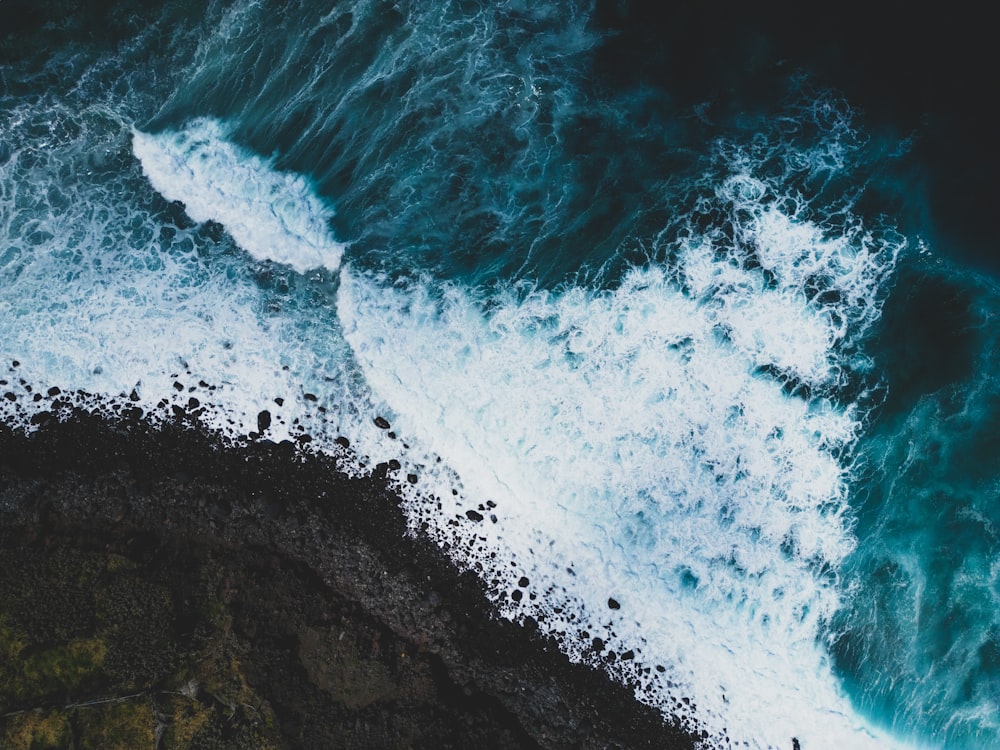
(633, 443)
(629, 436)
(104, 294)
(272, 215)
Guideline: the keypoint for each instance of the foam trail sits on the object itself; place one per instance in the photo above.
(272, 215)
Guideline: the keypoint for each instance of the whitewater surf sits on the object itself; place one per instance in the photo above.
(627, 363)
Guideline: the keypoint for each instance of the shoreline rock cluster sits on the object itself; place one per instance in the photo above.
(162, 588)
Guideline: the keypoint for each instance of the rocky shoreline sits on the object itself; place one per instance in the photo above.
(161, 587)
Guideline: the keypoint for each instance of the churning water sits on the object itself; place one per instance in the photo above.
(735, 426)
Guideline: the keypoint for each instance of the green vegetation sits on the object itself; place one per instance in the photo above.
(60, 669)
(186, 718)
(101, 652)
(126, 725)
(36, 730)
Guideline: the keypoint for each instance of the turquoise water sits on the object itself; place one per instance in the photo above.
(681, 326)
(919, 636)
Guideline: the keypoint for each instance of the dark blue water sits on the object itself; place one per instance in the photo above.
(702, 303)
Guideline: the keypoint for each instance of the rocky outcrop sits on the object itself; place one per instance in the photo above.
(160, 587)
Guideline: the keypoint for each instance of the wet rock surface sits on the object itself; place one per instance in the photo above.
(162, 588)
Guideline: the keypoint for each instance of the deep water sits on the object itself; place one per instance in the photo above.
(685, 317)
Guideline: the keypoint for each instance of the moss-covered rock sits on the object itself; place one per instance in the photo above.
(36, 730)
(144, 624)
(12, 641)
(118, 725)
(186, 717)
(57, 670)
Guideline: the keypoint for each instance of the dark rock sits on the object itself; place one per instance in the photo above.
(277, 583)
(474, 516)
(343, 442)
(263, 421)
(310, 396)
(381, 423)
(613, 604)
(42, 417)
(523, 582)
(54, 391)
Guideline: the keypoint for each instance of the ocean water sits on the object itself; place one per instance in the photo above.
(695, 384)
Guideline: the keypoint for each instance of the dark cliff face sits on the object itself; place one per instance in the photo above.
(159, 588)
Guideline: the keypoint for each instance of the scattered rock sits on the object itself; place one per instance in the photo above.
(326, 642)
